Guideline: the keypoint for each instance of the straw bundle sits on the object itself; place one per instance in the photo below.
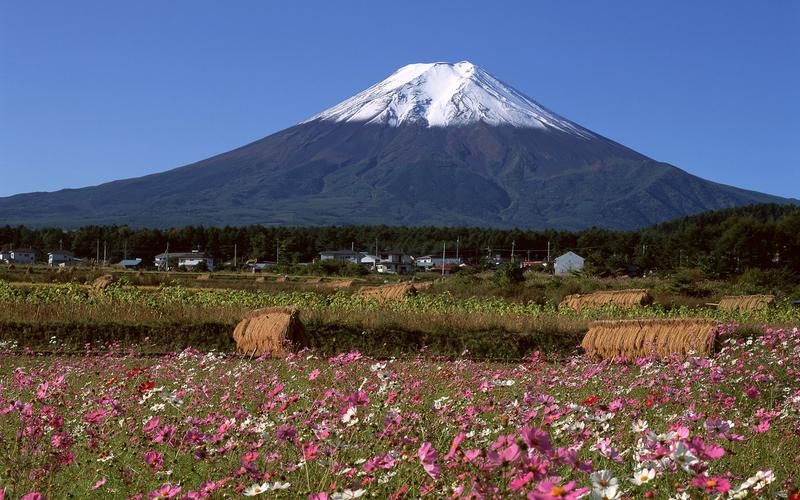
(746, 302)
(619, 298)
(660, 337)
(102, 282)
(204, 277)
(385, 293)
(335, 284)
(269, 330)
(260, 279)
(423, 285)
(282, 279)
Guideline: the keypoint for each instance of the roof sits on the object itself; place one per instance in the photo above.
(568, 254)
(61, 252)
(183, 255)
(340, 252)
(24, 250)
(130, 262)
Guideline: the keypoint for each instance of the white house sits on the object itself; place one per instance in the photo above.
(18, 256)
(395, 263)
(568, 263)
(429, 261)
(58, 257)
(188, 260)
(350, 256)
(369, 260)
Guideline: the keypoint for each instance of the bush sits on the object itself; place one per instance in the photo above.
(508, 274)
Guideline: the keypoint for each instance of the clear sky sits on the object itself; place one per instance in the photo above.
(93, 91)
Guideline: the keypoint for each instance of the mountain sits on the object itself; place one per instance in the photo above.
(433, 144)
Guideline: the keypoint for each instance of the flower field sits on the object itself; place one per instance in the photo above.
(201, 425)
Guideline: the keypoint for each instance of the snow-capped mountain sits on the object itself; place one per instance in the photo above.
(444, 95)
(433, 144)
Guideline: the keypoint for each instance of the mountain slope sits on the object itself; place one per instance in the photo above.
(433, 144)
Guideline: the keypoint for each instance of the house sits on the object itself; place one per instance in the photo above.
(18, 256)
(570, 262)
(62, 257)
(187, 260)
(130, 263)
(350, 256)
(428, 262)
(395, 263)
(369, 260)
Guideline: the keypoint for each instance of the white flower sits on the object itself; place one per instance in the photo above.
(438, 404)
(503, 383)
(643, 476)
(347, 494)
(610, 493)
(683, 457)
(349, 416)
(639, 426)
(681, 496)
(279, 486)
(377, 366)
(256, 489)
(603, 479)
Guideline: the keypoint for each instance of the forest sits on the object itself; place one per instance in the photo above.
(721, 243)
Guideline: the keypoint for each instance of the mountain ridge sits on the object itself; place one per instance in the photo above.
(440, 157)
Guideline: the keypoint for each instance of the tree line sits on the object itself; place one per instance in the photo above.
(721, 243)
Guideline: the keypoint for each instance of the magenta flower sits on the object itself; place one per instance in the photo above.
(537, 439)
(550, 490)
(712, 484)
(428, 455)
(154, 459)
(286, 432)
(165, 491)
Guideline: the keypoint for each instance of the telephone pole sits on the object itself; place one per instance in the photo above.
(513, 244)
(234, 256)
(105, 253)
(444, 248)
(458, 241)
(97, 253)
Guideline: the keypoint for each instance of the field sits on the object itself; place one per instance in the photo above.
(198, 425)
(135, 391)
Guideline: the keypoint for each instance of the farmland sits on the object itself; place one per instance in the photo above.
(471, 388)
(198, 425)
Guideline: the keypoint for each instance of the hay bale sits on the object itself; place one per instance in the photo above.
(335, 284)
(204, 277)
(650, 337)
(282, 279)
(625, 299)
(423, 285)
(272, 330)
(745, 302)
(260, 279)
(101, 283)
(384, 293)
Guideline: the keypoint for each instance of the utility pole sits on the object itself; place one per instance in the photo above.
(513, 244)
(548, 252)
(235, 256)
(125, 250)
(352, 246)
(277, 252)
(444, 248)
(105, 253)
(61, 244)
(97, 253)
(458, 241)
(166, 263)
(529, 255)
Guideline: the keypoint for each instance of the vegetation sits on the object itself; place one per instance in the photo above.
(720, 244)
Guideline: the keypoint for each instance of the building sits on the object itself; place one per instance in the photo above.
(187, 260)
(570, 262)
(62, 257)
(428, 262)
(350, 256)
(18, 256)
(395, 263)
(369, 260)
(130, 263)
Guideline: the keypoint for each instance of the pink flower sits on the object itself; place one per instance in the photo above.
(286, 432)
(151, 425)
(154, 459)
(249, 457)
(549, 490)
(314, 374)
(454, 445)
(33, 495)
(318, 496)
(165, 491)
(99, 483)
(428, 455)
(537, 439)
(752, 392)
(711, 484)
(310, 450)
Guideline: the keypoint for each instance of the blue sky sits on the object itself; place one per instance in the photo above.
(94, 91)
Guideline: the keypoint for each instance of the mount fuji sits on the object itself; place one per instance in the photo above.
(432, 144)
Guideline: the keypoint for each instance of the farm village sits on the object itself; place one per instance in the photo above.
(339, 380)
